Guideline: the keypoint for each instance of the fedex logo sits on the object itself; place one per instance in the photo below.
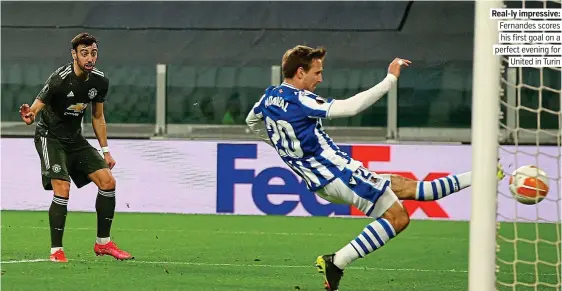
(228, 176)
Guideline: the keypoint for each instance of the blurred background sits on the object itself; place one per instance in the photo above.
(216, 58)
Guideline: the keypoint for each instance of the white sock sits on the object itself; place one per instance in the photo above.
(54, 250)
(442, 187)
(102, 240)
(345, 256)
(374, 236)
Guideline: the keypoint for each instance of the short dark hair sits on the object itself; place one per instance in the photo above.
(300, 56)
(83, 38)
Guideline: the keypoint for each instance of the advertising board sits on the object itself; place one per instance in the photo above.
(248, 178)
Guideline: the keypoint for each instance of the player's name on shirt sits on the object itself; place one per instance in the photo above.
(276, 101)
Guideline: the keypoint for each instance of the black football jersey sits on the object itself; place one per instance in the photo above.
(66, 97)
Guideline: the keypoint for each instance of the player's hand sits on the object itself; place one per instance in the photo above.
(26, 114)
(396, 65)
(109, 160)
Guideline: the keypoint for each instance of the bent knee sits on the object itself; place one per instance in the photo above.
(107, 183)
(398, 217)
(61, 187)
(105, 180)
(402, 221)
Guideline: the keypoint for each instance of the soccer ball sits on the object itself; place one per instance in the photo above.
(528, 184)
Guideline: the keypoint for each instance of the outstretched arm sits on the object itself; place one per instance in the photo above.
(363, 100)
(44, 97)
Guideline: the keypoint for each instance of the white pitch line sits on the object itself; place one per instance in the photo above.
(270, 266)
(24, 261)
(243, 265)
(236, 232)
(294, 266)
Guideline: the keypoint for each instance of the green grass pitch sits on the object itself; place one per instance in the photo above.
(216, 252)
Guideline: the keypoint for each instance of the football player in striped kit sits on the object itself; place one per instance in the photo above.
(289, 118)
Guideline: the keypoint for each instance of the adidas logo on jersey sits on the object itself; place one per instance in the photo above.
(71, 94)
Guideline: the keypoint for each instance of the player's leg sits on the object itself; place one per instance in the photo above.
(374, 236)
(92, 167)
(371, 195)
(409, 189)
(55, 177)
(391, 218)
(57, 218)
(105, 203)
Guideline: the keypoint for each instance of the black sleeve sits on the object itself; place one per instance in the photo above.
(102, 94)
(46, 94)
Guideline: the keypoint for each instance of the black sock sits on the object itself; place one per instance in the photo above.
(57, 220)
(105, 208)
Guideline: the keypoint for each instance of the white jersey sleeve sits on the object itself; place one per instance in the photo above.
(256, 124)
(361, 101)
(313, 105)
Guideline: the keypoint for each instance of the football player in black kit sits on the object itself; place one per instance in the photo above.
(65, 154)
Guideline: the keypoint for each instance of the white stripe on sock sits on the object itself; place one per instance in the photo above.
(60, 201)
(363, 238)
(358, 248)
(106, 193)
(380, 231)
(438, 188)
(373, 237)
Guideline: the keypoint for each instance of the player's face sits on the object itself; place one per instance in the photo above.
(314, 76)
(86, 56)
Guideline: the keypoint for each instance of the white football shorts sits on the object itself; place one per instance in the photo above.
(367, 191)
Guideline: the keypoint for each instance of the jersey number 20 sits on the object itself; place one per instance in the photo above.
(284, 132)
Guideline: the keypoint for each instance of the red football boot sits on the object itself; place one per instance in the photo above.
(111, 249)
(58, 257)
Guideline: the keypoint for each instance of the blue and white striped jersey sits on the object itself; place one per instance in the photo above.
(293, 119)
